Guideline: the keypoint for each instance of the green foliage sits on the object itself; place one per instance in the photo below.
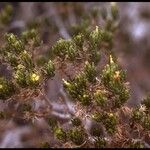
(20, 75)
(76, 121)
(76, 135)
(141, 115)
(60, 134)
(110, 122)
(96, 131)
(18, 54)
(100, 142)
(26, 77)
(6, 88)
(100, 98)
(12, 58)
(65, 49)
(137, 115)
(6, 15)
(90, 71)
(136, 144)
(146, 122)
(52, 122)
(114, 11)
(98, 36)
(31, 36)
(26, 59)
(113, 78)
(146, 102)
(95, 37)
(82, 28)
(77, 87)
(97, 116)
(79, 40)
(95, 56)
(49, 69)
(13, 43)
(85, 98)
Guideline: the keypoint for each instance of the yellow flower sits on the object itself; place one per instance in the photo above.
(111, 114)
(111, 59)
(117, 75)
(86, 63)
(96, 29)
(20, 66)
(35, 77)
(98, 91)
(24, 52)
(1, 86)
(65, 82)
(16, 76)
